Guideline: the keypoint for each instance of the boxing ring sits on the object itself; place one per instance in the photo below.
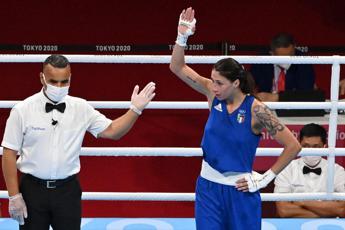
(188, 223)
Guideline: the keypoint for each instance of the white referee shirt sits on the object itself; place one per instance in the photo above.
(292, 179)
(51, 151)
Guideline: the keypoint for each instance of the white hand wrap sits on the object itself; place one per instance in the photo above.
(135, 109)
(182, 38)
(17, 208)
(256, 181)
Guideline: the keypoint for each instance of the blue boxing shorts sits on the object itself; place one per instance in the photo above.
(223, 207)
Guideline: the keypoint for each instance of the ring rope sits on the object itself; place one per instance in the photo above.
(190, 152)
(165, 59)
(157, 196)
(195, 105)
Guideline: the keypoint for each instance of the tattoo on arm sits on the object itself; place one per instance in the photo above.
(267, 119)
(191, 79)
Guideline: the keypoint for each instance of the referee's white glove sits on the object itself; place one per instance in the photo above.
(186, 26)
(141, 99)
(17, 208)
(257, 181)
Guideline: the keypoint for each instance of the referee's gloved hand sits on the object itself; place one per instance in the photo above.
(17, 208)
(255, 181)
(140, 100)
(186, 26)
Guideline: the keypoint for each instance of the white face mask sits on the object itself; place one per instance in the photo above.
(55, 93)
(311, 160)
(285, 66)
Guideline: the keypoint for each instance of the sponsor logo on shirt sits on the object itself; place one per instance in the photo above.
(218, 107)
(297, 185)
(37, 128)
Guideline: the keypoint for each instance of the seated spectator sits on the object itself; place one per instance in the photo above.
(309, 174)
(272, 79)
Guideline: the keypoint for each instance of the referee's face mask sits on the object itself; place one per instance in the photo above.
(312, 142)
(55, 93)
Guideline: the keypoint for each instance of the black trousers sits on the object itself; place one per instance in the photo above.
(59, 207)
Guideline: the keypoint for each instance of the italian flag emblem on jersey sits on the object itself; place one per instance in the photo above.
(240, 117)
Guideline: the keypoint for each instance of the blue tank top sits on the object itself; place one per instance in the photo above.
(229, 143)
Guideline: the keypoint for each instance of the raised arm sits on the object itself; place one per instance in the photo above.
(186, 27)
(120, 126)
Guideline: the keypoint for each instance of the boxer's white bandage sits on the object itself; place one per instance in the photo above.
(182, 38)
(257, 181)
(135, 109)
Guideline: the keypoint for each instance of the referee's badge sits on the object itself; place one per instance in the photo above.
(241, 116)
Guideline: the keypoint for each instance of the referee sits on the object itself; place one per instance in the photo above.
(47, 130)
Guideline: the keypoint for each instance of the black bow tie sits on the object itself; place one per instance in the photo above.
(307, 170)
(59, 107)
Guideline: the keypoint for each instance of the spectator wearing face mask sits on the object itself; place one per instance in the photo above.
(309, 174)
(272, 79)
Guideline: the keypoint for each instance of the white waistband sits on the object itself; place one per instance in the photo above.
(228, 178)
